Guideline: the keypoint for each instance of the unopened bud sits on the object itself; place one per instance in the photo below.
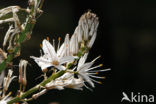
(22, 72)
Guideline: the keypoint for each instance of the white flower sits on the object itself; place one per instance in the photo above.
(86, 72)
(74, 83)
(68, 81)
(52, 57)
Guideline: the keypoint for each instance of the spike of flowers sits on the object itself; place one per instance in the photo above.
(51, 57)
(67, 61)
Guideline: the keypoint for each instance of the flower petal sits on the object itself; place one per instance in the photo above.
(82, 60)
(85, 67)
(87, 79)
(66, 59)
(43, 63)
(60, 51)
(60, 67)
(48, 49)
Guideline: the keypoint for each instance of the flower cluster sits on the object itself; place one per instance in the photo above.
(67, 61)
(4, 85)
(71, 57)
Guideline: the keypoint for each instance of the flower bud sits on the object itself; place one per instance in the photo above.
(22, 72)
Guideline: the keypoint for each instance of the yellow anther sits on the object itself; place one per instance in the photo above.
(48, 38)
(97, 72)
(10, 93)
(41, 45)
(101, 65)
(100, 82)
(59, 38)
(103, 77)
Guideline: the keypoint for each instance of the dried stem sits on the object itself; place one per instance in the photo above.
(23, 36)
(36, 88)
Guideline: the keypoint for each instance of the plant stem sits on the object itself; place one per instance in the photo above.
(36, 88)
(23, 35)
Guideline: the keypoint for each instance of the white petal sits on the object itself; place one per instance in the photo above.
(66, 59)
(60, 67)
(43, 63)
(60, 51)
(85, 67)
(82, 60)
(67, 45)
(74, 44)
(79, 33)
(49, 49)
(87, 79)
(91, 42)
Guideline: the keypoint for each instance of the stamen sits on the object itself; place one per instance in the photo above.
(94, 67)
(54, 43)
(59, 39)
(9, 93)
(101, 65)
(47, 38)
(96, 58)
(41, 45)
(99, 82)
(103, 77)
(96, 76)
(55, 62)
(100, 70)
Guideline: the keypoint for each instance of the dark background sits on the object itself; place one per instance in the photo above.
(126, 41)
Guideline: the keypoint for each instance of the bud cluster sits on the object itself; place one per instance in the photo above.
(67, 61)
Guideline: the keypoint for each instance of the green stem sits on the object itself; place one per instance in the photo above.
(36, 88)
(27, 31)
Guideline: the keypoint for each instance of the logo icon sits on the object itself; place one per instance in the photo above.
(137, 97)
(125, 97)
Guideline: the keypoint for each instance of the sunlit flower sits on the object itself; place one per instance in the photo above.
(52, 57)
(87, 72)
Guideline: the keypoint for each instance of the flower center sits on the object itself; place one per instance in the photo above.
(55, 62)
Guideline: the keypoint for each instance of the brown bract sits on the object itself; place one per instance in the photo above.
(3, 55)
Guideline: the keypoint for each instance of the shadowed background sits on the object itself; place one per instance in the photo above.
(126, 41)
